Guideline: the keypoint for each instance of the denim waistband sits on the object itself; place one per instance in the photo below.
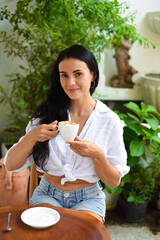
(90, 198)
(83, 192)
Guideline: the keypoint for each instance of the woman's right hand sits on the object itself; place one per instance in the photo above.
(43, 132)
(18, 154)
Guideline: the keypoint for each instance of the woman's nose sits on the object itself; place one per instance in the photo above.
(71, 81)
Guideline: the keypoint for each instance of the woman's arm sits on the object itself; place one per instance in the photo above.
(106, 172)
(18, 154)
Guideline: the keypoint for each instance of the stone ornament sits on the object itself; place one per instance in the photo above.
(125, 72)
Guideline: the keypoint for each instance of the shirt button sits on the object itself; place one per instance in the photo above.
(66, 194)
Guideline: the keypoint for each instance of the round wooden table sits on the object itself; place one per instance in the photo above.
(73, 225)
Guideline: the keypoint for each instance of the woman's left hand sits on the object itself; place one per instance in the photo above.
(106, 172)
(84, 148)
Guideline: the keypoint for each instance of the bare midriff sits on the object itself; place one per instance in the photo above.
(68, 186)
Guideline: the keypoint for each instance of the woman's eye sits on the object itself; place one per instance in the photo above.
(78, 74)
(63, 75)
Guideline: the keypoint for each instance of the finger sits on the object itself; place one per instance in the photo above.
(51, 127)
(75, 149)
(78, 150)
(78, 145)
(52, 131)
(79, 139)
(49, 133)
(54, 122)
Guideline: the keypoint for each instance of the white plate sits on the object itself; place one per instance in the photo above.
(40, 217)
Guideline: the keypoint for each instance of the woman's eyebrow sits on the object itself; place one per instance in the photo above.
(77, 70)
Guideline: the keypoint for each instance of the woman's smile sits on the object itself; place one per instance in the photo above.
(73, 90)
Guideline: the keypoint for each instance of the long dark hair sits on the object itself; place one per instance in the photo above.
(57, 102)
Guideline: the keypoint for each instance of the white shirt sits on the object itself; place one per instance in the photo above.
(104, 128)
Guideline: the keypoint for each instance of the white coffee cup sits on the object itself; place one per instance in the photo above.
(68, 130)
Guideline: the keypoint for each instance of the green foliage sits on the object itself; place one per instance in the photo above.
(142, 141)
(141, 130)
(42, 29)
(140, 185)
(114, 191)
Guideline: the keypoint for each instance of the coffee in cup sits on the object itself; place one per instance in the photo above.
(68, 130)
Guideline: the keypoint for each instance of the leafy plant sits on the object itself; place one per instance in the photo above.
(114, 191)
(142, 142)
(140, 186)
(42, 29)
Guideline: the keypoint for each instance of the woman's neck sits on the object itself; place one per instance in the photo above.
(81, 107)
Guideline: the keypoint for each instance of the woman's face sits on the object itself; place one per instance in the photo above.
(75, 78)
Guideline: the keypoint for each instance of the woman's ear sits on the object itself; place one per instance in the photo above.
(93, 84)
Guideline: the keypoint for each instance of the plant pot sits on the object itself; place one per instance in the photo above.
(151, 89)
(9, 136)
(13, 186)
(132, 212)
(111, 200)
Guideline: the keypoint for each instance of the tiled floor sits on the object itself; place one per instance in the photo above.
(128, 232)
(146, 230)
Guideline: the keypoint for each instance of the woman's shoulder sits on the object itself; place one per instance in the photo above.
(34, 122)
(104, 111)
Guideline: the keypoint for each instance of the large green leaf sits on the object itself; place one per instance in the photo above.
(155, 138)
(131, 119)
(152, 121)
(133, 107)
(129, 134)
(127, 178)
(137, 128)
(132, 161)
(136, 148)
(149, 108)
(115, 190)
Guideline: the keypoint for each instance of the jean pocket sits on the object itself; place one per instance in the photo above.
(94, 194)
(42, 187)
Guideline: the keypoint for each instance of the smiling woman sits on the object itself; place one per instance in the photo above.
(72, 169)
(75, 78)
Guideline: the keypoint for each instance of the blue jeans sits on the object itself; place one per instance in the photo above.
(91, 198)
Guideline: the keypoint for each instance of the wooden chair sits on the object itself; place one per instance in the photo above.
(34, 179)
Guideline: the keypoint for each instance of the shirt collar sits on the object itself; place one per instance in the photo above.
(100, 107)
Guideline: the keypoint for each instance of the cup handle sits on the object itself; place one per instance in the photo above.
(57, 128)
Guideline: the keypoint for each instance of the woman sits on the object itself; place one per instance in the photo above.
(72, 170)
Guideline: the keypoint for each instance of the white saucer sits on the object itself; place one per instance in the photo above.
(40, 217)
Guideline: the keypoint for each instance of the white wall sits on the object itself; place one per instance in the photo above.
(144, 60)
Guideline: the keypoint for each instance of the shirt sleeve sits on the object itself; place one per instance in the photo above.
(29, 161)
(116, 152)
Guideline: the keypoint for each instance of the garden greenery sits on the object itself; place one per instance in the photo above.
(41, 29)
(142, 142)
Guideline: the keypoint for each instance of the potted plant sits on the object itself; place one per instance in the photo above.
(112, 195)
(136, 193)
(142, 141)
(37, 41)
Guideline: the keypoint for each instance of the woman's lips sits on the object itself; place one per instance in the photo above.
(72, 90)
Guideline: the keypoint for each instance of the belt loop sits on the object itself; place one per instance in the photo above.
(49, 190)
(84, 194)
(78, 195)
